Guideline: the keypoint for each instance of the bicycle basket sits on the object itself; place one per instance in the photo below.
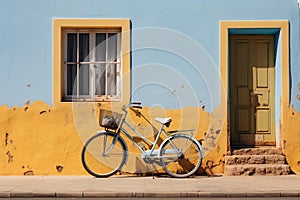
(109, 119)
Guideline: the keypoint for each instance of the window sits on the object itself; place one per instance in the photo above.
(91, 60)
(92, 64)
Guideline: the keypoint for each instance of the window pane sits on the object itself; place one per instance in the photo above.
(100, 47)
(112, 47)
(71, 47)
(84, 47)
(100, 79)
(91, 46)
(71, 79)
(111, 79)
(84, 81)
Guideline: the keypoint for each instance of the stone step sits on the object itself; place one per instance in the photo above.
(254, 159)
(256, 169)
(258, 151)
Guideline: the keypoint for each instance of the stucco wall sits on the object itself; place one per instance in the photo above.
(175, 64)
(42, 140)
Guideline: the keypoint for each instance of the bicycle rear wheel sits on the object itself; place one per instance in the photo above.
(181, 156)
(104, 154)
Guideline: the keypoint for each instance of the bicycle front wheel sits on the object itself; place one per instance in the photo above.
(104, 154)
(181, 156)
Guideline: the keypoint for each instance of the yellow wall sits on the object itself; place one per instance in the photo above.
(291, 138)
(38, 139)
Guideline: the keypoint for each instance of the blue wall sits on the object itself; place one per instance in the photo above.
(190, 78)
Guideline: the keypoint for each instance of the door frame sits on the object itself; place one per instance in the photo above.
(282, 79)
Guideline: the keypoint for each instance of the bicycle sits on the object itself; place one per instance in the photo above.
(104, 154)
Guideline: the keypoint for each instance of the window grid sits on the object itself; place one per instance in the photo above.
(92, 96)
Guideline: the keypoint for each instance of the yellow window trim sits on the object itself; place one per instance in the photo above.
(59, 24)
(283, 25)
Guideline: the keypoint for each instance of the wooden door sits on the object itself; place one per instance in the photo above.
(252, 74)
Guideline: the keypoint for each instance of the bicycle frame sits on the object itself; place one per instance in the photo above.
(150, 155)
(175, 148)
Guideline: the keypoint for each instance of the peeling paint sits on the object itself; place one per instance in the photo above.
(43, 112)
(59, 168)
(203, 108)
(210, 165)
(29, 173)
(6, 139)
(10, 157)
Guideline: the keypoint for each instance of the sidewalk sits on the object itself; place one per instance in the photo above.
(130, 186)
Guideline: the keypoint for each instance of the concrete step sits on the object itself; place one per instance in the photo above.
(254, 159)
(258, 151)
(256, 169)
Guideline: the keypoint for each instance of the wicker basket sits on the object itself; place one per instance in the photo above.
(109, 119)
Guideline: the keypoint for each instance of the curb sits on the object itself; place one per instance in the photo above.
(145, 194)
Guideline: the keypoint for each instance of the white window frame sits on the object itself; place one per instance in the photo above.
(92, 86)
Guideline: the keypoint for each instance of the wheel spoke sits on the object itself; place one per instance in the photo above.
(104, 154)
(186, 161)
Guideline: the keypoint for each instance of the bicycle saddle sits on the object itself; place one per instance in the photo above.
(164, 121)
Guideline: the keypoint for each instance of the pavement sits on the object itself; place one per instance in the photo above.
(133, 186)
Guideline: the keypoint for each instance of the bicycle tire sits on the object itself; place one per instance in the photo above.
(104, 154)
(181, 155)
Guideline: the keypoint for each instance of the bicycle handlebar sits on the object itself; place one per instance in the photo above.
(137, 102)
(133, 105)
(139, 107)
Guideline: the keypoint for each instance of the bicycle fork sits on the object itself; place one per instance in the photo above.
(107, 151)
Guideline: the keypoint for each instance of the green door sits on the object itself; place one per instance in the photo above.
(252, 84)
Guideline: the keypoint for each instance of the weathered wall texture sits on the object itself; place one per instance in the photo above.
(291, 138)
(38, 139)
